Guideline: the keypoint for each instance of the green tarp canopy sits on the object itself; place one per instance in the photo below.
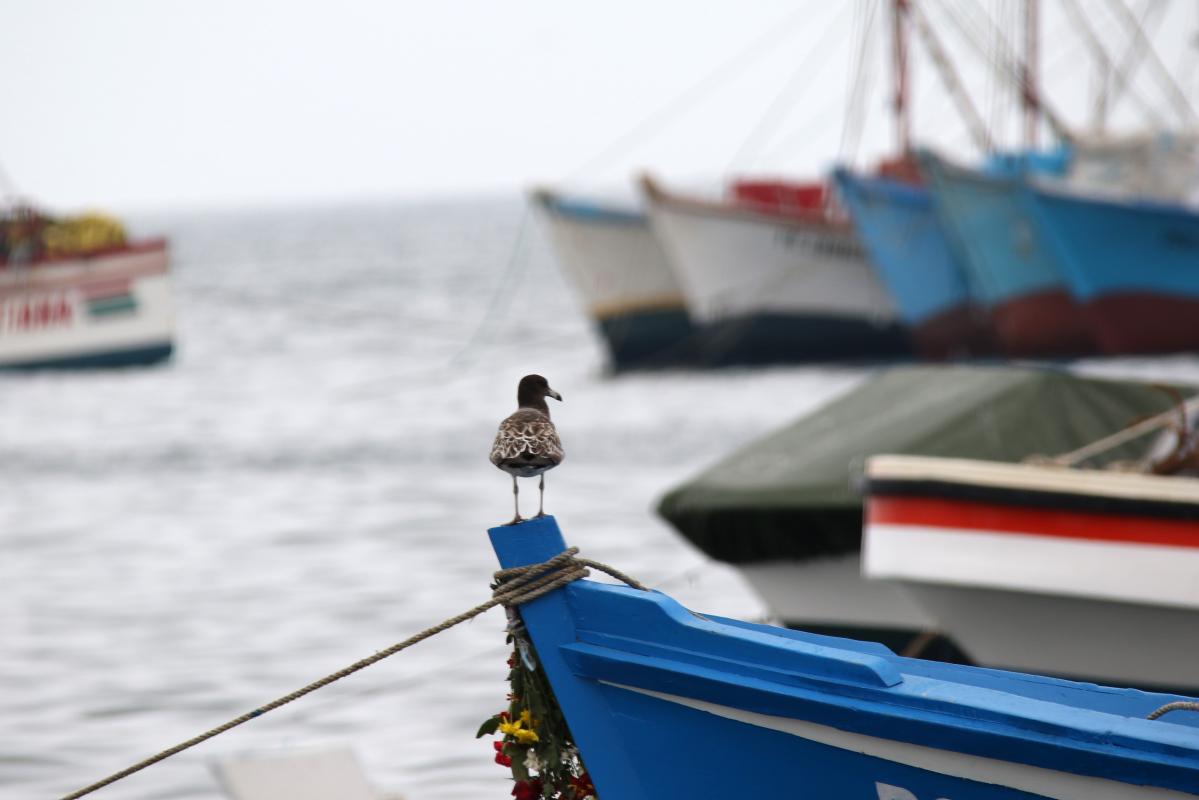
(793, 493)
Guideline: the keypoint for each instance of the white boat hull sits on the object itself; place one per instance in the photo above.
(734, 263)
(611, 257)
(831, 592)
(1082, 574)
(108, 309)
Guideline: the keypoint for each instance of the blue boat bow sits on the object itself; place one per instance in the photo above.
(663, 702)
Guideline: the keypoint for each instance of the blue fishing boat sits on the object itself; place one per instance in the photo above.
(897, 225)
(1012, 267)
(663, 702)
(1133, 264)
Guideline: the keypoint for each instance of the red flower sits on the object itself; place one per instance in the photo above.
(500, 758)
(583, 786)
(527, 790)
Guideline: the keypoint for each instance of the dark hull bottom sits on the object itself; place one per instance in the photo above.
(788, 339)
(902, 641)
(133, 357)
(959, 332)
(1045, 324)
(645, 338)
(1143, 322)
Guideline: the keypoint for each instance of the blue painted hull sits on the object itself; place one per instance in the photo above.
(1012, 268)
(132, 357)
(666, 703)
(898, 226)
(1134, 266)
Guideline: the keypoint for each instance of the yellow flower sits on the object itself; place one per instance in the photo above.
(525, 737)
(526, 718)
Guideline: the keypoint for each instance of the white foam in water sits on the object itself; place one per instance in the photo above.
(308, 483)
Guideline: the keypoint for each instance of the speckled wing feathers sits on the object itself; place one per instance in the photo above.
(526, 444)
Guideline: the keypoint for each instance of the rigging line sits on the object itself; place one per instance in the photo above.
(855, 117)
(9, 192)
(1105, 66)
(1182, 106)
(952, 81)
(1011, 70)
(650, 125)
(504, 291)
(851, 84)
(1128, 63)
(767, 125)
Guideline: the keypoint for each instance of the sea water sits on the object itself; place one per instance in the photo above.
(307, 483)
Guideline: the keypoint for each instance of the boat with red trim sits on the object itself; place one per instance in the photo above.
(1082, 573)
(76, 293)
(774, 274)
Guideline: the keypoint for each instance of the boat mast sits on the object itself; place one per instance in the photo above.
(1030, 95)
(899, 71)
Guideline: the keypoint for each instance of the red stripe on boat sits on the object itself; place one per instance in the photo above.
(941, 513)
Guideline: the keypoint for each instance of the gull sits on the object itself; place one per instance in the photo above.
(527, 443)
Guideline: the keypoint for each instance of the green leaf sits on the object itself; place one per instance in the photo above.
(489, 727)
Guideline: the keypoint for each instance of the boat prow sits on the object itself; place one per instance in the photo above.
(663, 702)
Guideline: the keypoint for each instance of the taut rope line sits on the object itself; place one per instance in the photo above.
(512, 587)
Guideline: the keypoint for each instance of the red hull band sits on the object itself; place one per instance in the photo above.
(960, 331)
(1143, 322)
(1042, 324)
(939, 513)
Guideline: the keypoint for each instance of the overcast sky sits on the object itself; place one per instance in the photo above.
(145, 104)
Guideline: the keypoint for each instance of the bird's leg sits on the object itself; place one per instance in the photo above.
(515, 502)
(541, 489)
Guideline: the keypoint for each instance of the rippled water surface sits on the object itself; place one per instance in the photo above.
(307, 483)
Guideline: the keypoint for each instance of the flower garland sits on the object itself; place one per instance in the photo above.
(536, 745)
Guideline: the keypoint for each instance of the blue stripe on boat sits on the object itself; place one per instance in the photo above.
(129, 357)
(588, 210)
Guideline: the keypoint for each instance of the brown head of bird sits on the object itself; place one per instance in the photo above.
(527, 443)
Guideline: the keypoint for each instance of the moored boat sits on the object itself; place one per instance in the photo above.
(786, 510)
(774, 277)
(664, 702)
(897, 225)
(1133, 264)
(1012, 267)
(622, 277)
(76, 293)
(1081, 573)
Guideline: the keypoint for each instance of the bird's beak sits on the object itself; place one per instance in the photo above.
(555, 395)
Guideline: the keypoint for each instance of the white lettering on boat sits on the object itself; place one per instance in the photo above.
(888, 792)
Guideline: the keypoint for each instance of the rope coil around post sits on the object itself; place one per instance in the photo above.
(512, 587)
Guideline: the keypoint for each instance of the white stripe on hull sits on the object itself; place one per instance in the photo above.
(616, 266)
(1151, 574)
(732, 264)
(831, 591)
(1118, 644)
(1037, 780)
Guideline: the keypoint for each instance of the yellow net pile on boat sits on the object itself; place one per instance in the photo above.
(28, 236)
(85, 233)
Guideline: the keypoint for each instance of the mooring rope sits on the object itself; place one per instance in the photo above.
(512, 587)
(1177, 705)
